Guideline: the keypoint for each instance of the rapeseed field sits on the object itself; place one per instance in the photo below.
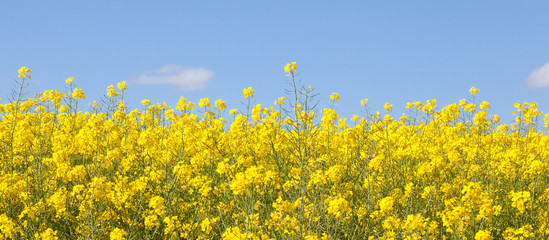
(286, 171)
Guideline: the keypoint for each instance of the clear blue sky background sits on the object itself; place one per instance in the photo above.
(387, 51)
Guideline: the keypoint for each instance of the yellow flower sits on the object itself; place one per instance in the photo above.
(437, 173)
(520, 200)
(118, 234)
(495, 118)
(204, 102)
(484, 105)
(364, 102)
(386, 204)
(337, 206)
(248, 92)
(220, 104)
(290, 68)
(78, 94)
(93, 104)
(49, 234)
(234, 233)
(122, 86)
(388, 107)
(473, 90)
(483, 235)
(63, 108)
(171, 224)
(69, 80)
(205, 226)
(334, 96)
(111, 92)
(25, 72)
(280, 101)
(151, 221)
(7, 226)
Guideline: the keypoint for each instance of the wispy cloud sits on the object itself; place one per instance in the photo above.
(539, 77)
(185, 78)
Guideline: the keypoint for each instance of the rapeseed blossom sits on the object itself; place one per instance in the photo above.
(334, 97)
(69, 80)
(290, 68)
(25, 72)
(274, 172)
(118, 234)
(248, 92)
(473, 91)
(364, 102)
(519, 200)
(386, 204)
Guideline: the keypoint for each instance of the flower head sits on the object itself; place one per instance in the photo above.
(117, 234)
(484, 105)
(473, 90)
(388, 107)
(290, 68)
(111, 92)
(248, 92)
(280, 101)
(334, 96)
(25, 72)
(204, 102)
(69, 80)
(364, 102)
(122, 86)
(220, 104)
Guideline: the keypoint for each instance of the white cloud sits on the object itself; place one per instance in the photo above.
(185, 78)
(539, 77)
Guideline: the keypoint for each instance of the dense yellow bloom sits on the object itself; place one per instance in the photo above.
(58, 202)
(337, 206)
(235, 233)
(151, 221)
(49, 234)
(440, 172)
(386, 204)
(483, 235)
(157, 205)
(118, 234)
(520, 200)
(525, 232)
(7, 226)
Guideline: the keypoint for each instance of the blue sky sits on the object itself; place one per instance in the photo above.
(386, 51)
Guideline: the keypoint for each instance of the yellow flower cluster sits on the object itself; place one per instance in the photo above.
(171, 173)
